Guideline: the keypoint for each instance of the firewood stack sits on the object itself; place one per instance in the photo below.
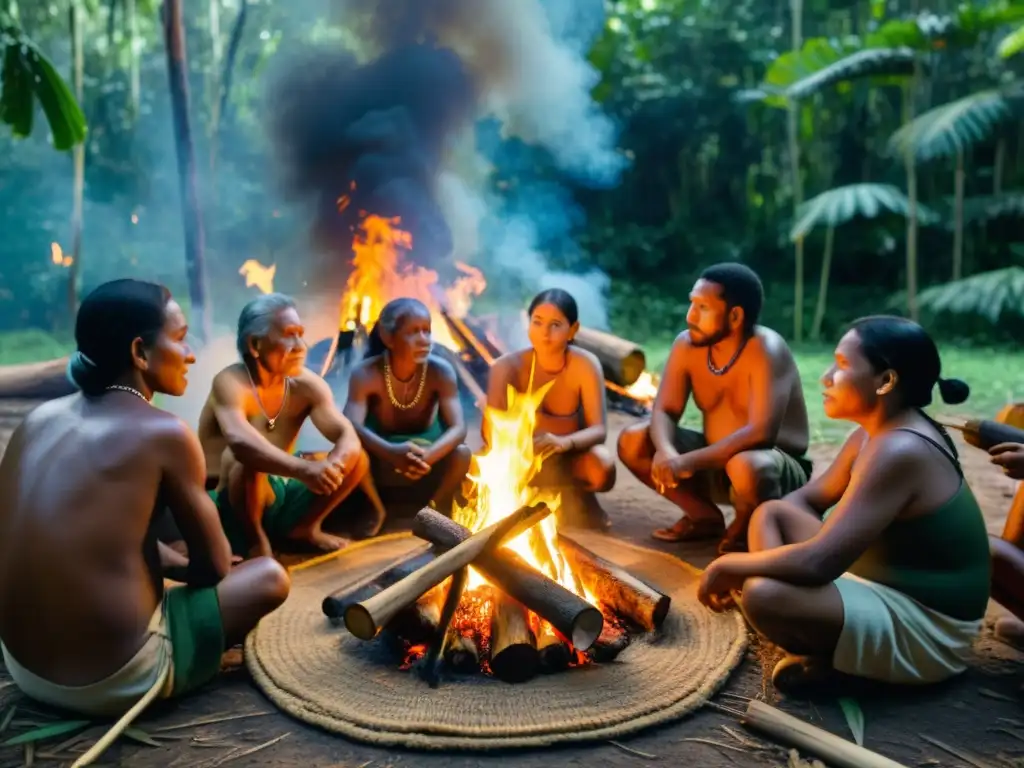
(516, 625)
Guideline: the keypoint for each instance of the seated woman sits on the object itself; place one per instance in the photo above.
(404, 404)
(85, 621)
(880, 567)
(572, 422)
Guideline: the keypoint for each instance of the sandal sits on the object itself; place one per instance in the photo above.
(690, 530)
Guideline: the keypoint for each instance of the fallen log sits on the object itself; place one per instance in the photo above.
(365, 618)
(514, 655)
(554, 653)
(615, 587)
(335, 604)
(621, 360)
(36, 381)
(417, 624)
(571, 615)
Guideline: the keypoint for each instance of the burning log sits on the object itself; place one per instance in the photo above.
(622, 360)
(417, 623)
(514, 655)
(613, 641)
(36, 380)
(365, 618)
(555, 653)
(569, 614)
(336, 603)
(461, 653)
(430, 668)
(615, 587)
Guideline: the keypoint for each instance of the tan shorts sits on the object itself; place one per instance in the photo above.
(891, 637)
(713, 484)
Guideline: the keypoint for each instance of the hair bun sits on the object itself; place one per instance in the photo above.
(84, 373)
(953, 391)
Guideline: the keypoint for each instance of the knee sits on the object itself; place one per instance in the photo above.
(632, 445)
(271, 582)
(754, 479)
(361, 466)
(461, 458)
(766, 515)
(763, 599)
(600, 469)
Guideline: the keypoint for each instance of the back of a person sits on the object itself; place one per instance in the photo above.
(82, 484)
(937, 550)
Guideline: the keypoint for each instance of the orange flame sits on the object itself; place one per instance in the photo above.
(381, 273)
(58, 257)
(260, 276)
(645, 389)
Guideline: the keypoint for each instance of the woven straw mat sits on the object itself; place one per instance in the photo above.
(321, 674)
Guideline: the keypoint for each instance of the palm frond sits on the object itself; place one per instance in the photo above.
(1012, 44)
(950, 128)
(870, 62)
(1008, 205)
(988, 294)
(840, 205)
(791, 67)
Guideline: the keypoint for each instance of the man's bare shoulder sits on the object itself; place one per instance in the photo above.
(683, 348)
(771, 347)
(233, 375)
(310, 384)
(440, 368)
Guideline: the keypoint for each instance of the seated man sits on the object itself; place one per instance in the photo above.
(745, 383)
(249, 426)
(85, 621)
(404, 403)
(879, 568)
(1008, 550)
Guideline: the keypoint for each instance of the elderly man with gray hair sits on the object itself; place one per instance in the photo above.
(249, 425)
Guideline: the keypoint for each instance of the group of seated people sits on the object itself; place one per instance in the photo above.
(880, 567)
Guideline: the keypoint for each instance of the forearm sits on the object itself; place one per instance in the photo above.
(799, 564)
(662, 431)
(346, 446)
(170, 558)
(717, 455)
(445, 444)
(374, 444)
(260, 455)
(587, 438)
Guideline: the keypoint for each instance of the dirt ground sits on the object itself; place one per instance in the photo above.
(975, 720)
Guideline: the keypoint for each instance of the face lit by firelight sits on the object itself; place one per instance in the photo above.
(550, 331)
(411, 339)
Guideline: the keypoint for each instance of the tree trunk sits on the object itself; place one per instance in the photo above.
(224, 86)
(793, 127)
(177, 73)
(911, 171)
(826, 268)
(958, 220)
(78, 155)
(132, 29)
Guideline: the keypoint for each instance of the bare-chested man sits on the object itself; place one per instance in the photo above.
(744, 380)
(248, 429)
(404, 402)
(85, 621)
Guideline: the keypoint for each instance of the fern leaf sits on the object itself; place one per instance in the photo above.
(842, 204)
(871, 62)
(1009, 205)
(988, 294)
(952, 127)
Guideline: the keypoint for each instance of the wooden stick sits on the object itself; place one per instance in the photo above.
(621, 360)
(835, 751)
(334, 604)
(364, 619)
(514, 655)
(430, 664)
(572, 616)
(616, 587)
(461, 653)
(417, 623)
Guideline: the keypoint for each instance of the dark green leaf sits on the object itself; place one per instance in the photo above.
(47, 732)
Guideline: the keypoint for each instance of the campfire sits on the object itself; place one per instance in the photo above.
(498, 589)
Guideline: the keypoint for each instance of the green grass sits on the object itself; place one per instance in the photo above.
(996, 377)
(31, 346)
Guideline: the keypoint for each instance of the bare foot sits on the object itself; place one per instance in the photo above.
(316, 538)
(1010, 630)
(688, 529)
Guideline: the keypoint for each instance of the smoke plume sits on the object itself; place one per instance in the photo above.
(394, 136)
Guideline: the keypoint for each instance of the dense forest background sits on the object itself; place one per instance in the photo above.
(862, 156)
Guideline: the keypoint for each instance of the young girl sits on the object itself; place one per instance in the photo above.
(405, 406)
(572, 421)
(880, 567)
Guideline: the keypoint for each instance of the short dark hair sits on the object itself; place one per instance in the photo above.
(741, 287)
(109, 319)
(559, 298)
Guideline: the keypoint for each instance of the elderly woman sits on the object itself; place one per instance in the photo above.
(86, 623)
(880, 567)
(404, 403)
(572, 423)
